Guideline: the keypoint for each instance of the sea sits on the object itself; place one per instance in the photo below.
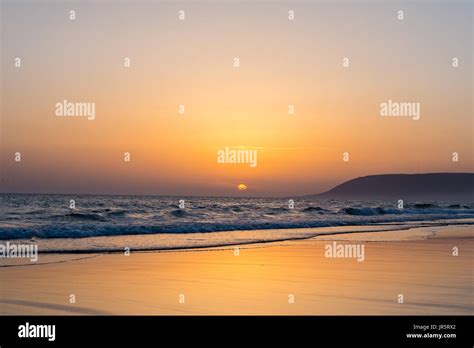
(100, 223)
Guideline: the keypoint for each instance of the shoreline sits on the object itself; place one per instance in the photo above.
(238, 238)
(259, 280)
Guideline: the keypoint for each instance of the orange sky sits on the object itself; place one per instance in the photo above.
(191, 62)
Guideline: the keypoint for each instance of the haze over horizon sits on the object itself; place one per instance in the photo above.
(190, 63)
(314, 194)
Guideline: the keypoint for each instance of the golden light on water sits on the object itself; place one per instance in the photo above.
(242, 187)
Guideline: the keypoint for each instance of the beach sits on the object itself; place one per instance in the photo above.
(291, 277)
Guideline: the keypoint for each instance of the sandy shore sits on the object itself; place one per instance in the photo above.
(261, 279)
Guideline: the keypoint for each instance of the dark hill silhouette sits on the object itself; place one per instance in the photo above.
(447, 186)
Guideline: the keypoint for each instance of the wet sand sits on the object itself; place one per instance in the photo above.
(262, 279)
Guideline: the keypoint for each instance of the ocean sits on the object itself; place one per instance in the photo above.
(109, 223)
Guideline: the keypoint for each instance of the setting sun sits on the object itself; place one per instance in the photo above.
(242, 187)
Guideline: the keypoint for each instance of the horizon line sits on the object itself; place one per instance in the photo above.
(218, 196)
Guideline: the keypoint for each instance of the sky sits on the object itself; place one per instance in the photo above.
(190, 62)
